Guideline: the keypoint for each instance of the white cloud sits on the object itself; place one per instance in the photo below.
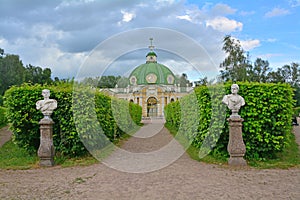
(224, 24)
(271, 40)
(127, 16)
(59, 34)
(184, 17)
(249, 44)
(277, 12)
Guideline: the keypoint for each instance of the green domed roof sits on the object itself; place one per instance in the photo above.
(151, 53)
(152, 73)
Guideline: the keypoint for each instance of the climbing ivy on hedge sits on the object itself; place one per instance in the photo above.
(24, 118)
(267, 118)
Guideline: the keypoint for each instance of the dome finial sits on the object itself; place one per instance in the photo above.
(151, 47)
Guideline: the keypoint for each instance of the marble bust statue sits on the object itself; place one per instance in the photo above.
(234, 101)
(46, 105)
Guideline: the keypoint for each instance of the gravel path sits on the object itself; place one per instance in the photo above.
(182, 179)
(5, 135)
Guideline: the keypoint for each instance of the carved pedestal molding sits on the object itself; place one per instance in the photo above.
(236, 147)
(46, 150)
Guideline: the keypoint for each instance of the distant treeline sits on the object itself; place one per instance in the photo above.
(13, 72)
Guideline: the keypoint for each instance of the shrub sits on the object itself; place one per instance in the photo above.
(267, 118)
(24, 118)
(3, 119)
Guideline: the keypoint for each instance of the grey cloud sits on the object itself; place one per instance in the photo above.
(79, 27)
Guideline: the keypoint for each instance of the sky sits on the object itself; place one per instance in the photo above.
(112, 36)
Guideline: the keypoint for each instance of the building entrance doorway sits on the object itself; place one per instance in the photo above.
(152, 107)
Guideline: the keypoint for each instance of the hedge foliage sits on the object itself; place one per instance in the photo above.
(76, 116)
(3, 120)
(267, 118)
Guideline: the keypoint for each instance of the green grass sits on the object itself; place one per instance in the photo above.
(13, 157)
(3, 120)
(288, 158)
(71, 162)
(2, 125)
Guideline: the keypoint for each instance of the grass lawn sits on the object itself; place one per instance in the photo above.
(288, 158)
(14, 157)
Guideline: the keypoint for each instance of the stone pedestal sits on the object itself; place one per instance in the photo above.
(236, 147)
(46, 149)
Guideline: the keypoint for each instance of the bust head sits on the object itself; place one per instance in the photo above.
(46, 93)
(234, 88)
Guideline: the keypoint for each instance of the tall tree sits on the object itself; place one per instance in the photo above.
(295, 74)
(11, 71)
(35, 74)
(183, 80)
(259, 72)
(202, 81)
(234, 67)
(286, 74)
(108, 81)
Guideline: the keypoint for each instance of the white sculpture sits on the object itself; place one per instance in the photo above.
(234, 101)
(47, 105)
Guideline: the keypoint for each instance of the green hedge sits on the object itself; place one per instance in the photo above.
(75, 113)
(267, 114)
(3, 119)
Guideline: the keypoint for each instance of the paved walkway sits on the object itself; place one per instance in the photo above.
(182, 179)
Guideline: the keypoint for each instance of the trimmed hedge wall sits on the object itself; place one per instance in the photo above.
(24, 118)
(3, 120)
(267, 117)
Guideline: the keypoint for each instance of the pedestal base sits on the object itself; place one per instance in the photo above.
(46, 150)
(46, 162)
(236, 147)
(237, 161)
